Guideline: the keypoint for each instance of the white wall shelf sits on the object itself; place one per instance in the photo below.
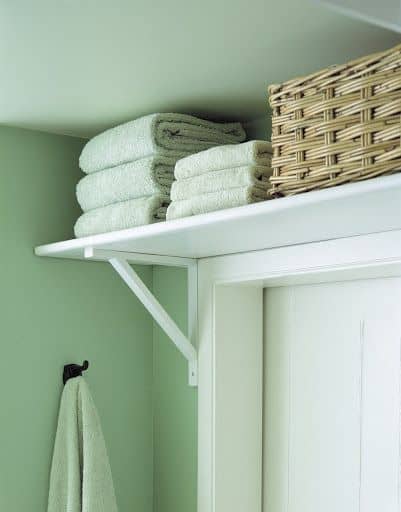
(348, 210)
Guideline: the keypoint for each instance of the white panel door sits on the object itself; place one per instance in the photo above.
(332, 397)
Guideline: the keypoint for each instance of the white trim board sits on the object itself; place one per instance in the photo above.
(230, 343)
(353, 209)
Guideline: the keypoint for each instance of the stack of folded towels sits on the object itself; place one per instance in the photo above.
(221, 177)
(130, 168)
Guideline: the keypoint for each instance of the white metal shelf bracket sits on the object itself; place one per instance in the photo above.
(120, 261)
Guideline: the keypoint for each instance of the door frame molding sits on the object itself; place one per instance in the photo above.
(230, 349)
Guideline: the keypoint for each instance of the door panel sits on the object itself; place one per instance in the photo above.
(332, 397)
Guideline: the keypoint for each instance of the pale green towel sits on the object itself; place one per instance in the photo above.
(124, 215)
(213, 201)
(251, 175)
(254, 152)
(165, 134)
(145, 177)
(80, 479)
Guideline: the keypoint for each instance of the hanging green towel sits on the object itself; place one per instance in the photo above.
(80, 479)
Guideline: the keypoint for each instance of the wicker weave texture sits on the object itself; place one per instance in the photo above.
(338, 125)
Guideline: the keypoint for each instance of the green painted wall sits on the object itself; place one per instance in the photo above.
(55, 311)
(175, 405)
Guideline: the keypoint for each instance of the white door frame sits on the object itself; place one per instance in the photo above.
(231, 346)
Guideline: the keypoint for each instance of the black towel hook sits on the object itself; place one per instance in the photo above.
(74, 370)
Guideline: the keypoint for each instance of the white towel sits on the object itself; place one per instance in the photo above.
(145, 177)
(124, 215)
(164, 134)
(214, 181)
(80, 479)
(254, 152)
(214, 201)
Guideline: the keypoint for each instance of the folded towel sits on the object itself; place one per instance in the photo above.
(164, 134)
(225, 179)
(145, 177)
(213, 201)
(254, 152)
(80, 479)
(124, 215)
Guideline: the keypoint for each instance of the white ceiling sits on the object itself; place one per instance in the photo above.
(385, 14)
(77, 67)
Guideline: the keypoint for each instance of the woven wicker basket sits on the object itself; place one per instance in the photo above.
(338, 125)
